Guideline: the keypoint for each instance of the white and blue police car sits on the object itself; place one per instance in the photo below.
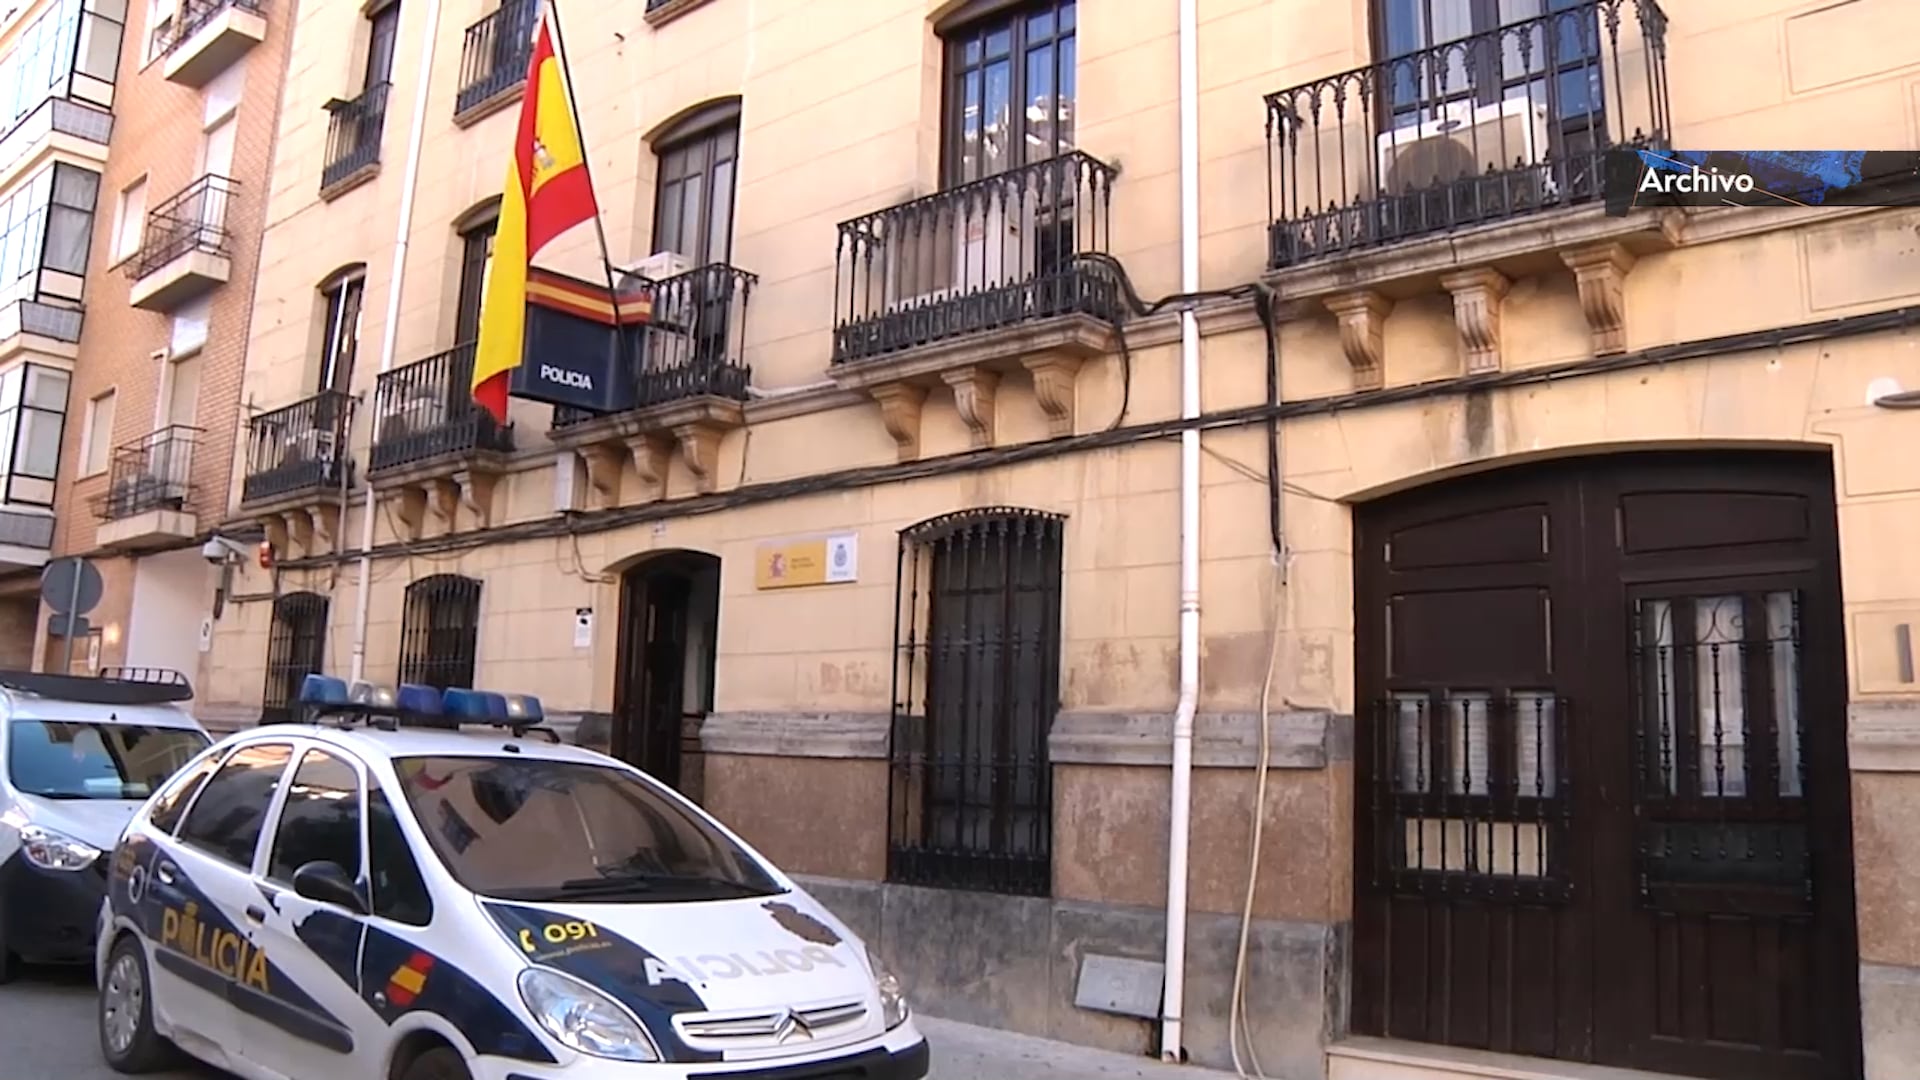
(78, 756)
(410, 884)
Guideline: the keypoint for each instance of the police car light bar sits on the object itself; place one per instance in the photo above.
(416, 705)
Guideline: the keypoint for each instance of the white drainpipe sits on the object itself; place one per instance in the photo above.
(389, 334)
(1181, 804)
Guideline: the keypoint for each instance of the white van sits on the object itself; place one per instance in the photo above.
(78, 755)
(425, 885)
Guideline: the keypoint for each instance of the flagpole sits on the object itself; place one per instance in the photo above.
(389, 334)
(586, 164)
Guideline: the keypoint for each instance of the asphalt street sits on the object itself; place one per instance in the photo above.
(47, 1033)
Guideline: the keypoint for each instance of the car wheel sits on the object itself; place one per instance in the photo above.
(439, 1063)
(127, 1037)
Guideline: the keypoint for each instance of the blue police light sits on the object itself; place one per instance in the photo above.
(322, 690)
(415, 698)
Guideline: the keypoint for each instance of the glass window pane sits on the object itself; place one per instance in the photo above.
(9, 423)
(174, 798)
(39, 444)
(321, 819)
(1063, 101)
(225, 821)
(47, 388)
(69, 233)
(399, 892)
(720, 228)
(995, 119)
(666, 231)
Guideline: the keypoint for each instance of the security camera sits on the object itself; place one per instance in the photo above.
(219, 549)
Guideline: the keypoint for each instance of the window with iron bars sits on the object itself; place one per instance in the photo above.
(439, 630)
(976, 687)
(296, 648)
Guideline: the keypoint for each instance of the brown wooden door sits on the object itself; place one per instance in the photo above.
(651, 686)
(1601, 775)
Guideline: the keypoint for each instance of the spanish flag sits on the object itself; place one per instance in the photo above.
(548, 191)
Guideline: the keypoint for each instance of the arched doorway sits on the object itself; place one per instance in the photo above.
(1601, 787)
(669, 610)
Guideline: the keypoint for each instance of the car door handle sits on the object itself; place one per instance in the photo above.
(256, 915)
(164, 872)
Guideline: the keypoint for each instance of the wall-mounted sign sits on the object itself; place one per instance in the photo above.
(580, 352)
(583, 628)
(820, 560)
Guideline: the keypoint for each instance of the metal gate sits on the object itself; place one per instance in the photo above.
(296, 648)
(1603, 791)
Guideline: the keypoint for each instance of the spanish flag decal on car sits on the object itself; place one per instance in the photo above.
(409, 979)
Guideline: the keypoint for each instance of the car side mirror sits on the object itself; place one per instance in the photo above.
(328, 883)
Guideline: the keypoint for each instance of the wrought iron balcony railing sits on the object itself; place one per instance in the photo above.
(694, 342)
(195, 219)
(986, 255)
(354, 129)
(155, 473)
(494, 54)
(299, 448)
(425, 410)
(195, 14)
(1485, 128)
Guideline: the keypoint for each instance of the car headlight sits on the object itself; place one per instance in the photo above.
(50, 850)
(893, 996)
(584, 1019)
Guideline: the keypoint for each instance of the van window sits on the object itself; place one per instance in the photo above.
(62, 759)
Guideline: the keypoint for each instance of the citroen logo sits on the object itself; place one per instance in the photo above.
(787, 1025)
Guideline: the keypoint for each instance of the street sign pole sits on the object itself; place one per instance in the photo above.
(73, 606)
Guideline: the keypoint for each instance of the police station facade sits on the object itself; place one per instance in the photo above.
(885, 566)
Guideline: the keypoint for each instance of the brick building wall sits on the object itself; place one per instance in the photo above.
(160, 135)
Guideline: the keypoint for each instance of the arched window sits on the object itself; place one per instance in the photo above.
(341, 297)
(296, 648)
(439, 631)
(693, 189)
(976, 687)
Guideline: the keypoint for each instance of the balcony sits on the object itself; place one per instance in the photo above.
(145, 504)
(26, 538)
(494, 54)
(1485, 130)
(58, 124)
(433, 448)
(210, 36)
(963, 286)
(1463, 167)
(354, 129)
(690, 382)
(298, 466)
(34, 326)
(186, 249)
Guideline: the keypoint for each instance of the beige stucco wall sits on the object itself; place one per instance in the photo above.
(839, 118)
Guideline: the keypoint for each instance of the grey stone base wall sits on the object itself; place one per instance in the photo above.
(1014, 963)
(1890, 1021)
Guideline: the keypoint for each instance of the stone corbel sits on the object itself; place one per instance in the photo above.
(476, 489)
(300, 530)
(326, 521)
(408, 504)
(652, 454)
(443, 494)
(1477, 295)
(1363, 320)
(1601, 272)
(276, 529)
(900, 405)
(1054, 376)
(700, 449)
(974, 390)
(605, 463)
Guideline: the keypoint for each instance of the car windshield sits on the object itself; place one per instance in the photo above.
(63, 759)
(532, 829)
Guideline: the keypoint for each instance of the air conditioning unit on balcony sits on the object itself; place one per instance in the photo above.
(301, 446)
(1463, 139)
(982, 245)
(660, 266)
(417, 408)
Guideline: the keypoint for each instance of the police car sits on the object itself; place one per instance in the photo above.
(406, 884)
(78, 755)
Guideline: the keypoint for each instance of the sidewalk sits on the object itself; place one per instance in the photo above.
(965, 1052)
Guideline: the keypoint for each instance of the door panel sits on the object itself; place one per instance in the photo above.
(655, 607)
(1602, 783)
